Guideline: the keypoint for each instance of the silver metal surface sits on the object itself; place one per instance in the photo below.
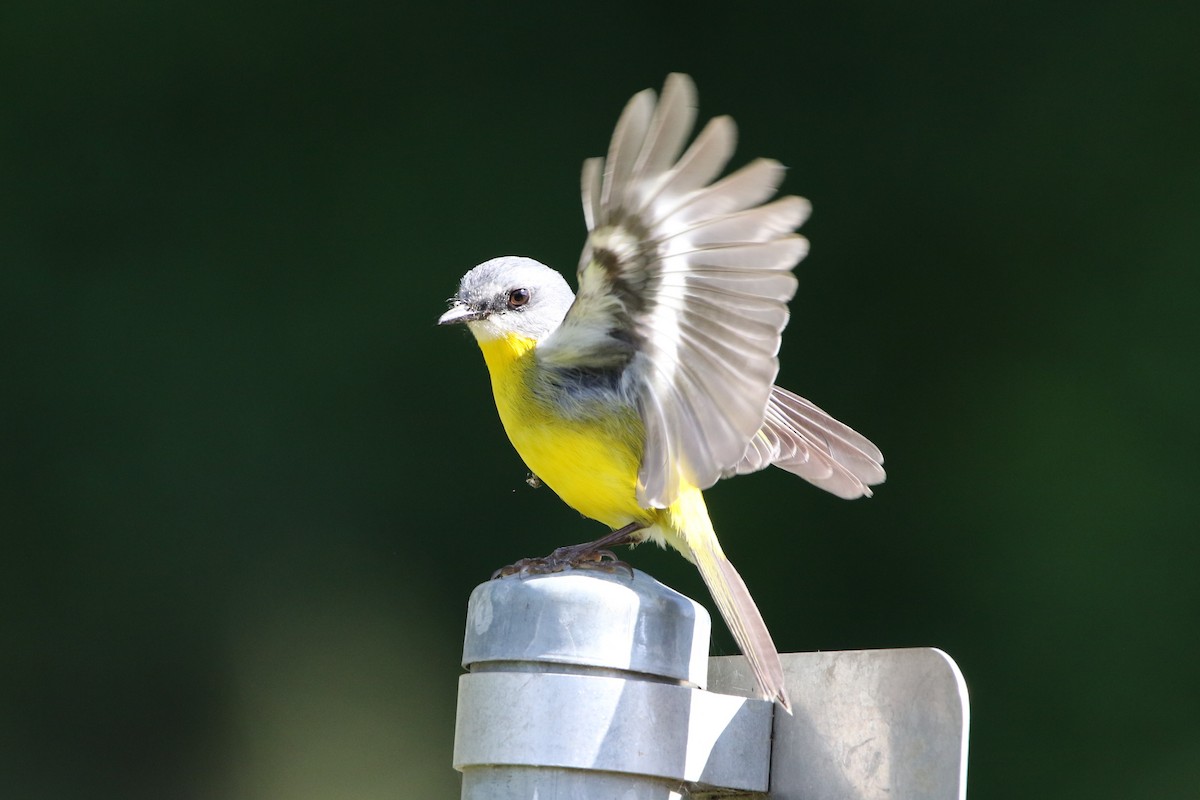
(604, 724)
(523, 783)
(584, 685)
(591, 618)
(868, 725)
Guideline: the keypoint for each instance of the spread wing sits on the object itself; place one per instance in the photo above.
(683, 288)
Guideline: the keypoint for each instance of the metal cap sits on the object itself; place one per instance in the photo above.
(588, 618)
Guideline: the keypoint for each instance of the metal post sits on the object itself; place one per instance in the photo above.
(589, 684)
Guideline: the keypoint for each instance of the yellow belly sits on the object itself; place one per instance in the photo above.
(591, 463)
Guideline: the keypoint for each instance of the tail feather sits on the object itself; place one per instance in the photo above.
(732, 597)
(746, 624)
(804, 440)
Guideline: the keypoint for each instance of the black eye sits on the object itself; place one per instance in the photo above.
(518, 298)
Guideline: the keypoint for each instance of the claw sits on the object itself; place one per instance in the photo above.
(603, 560)
(593, 555)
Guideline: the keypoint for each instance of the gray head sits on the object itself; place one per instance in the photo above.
(510, 294)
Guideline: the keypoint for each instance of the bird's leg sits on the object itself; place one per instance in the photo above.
(595, 553)
(590, 555)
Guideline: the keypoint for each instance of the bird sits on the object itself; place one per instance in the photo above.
(656, 379)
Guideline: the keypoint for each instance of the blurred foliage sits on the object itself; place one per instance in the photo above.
(247, 485)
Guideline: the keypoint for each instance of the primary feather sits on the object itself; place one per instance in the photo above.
(683, 287)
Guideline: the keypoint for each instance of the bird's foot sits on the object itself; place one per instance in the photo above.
(593, 555)
(564, 558)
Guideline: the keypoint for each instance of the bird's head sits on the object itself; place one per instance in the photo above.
(510, 295)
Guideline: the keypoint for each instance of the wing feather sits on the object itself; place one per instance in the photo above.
(590, 182)
(683, 291)
(761, 224)
(749, 186)
(626, 143)
(765, 259)
(670, 127)
(703, 161)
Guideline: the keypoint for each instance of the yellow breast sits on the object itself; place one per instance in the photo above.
(590, 460)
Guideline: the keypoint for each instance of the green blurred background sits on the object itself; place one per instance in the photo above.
(247, 485)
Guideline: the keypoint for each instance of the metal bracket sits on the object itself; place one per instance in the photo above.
(866, 724)
(592, 685)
